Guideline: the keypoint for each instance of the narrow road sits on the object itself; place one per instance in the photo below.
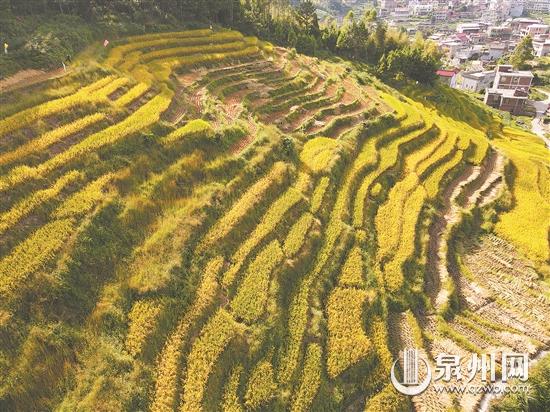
(29, 77)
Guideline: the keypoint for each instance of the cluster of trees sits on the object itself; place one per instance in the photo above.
(359, 38)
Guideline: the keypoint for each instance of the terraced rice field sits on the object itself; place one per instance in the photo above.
(206, 222)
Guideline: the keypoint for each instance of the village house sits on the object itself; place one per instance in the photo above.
(535, 30)
(475, 81)
(448, 77)
(542, 47)
(510, 91)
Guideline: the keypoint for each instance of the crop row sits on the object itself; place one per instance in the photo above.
(315, 104)
(196, 59)
(194, 128)
(26, 117)
(169, 360)
(320, 153)
(231, 401)
(198, 37)
(32, 254)
(51, 137)
(11, 217)
(84, 200)
(247, 202)
(142, 118)
(433, 182)
(337, 109)
(319, 194)
(311, 379)
(295, 238)
(203, 49)
(213, 339)
(261, 385)
(387, 157)
(174, 34)
(142, 322)
(250, 300)
(267, 224)
(352, 270)
(405, 247)
(131, 95)
(286, 101)
(526, 224)
(347, 341)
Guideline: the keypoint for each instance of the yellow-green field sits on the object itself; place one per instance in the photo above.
(201, 221)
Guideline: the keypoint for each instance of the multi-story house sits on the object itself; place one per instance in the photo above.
(510, 91)
(535, 30)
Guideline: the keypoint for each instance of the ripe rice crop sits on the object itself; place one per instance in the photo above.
(172, 63)
(352, 271)
(26, 117)
(185, 51)
(213, 339)
(51, 137)
(10, 218)
(320, 153)
(267, 224)
(528, 222)
(433, 182)
(33, 254)
(250, 300)
(175, 39)
(231, 401)
(131, 95)
(194, 128)
(347, 341)
(393, 273)
(297, 234)
(261, 385)
(83, 201)
(311, 379)
(319, 194)
(244, 204)
(142, 319)
(170, 357)
(142, 118)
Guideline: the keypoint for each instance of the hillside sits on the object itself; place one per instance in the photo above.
(200, 220)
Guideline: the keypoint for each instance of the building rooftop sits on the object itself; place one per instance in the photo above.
(447, 73)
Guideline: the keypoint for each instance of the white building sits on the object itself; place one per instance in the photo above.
(538, 6)
(535, 30)
(475, 81)
(542, 47)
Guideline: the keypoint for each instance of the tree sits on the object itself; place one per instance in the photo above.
(416, 63)
(523, 52)
(306, 17)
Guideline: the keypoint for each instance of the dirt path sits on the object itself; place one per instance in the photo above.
(29, 77)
